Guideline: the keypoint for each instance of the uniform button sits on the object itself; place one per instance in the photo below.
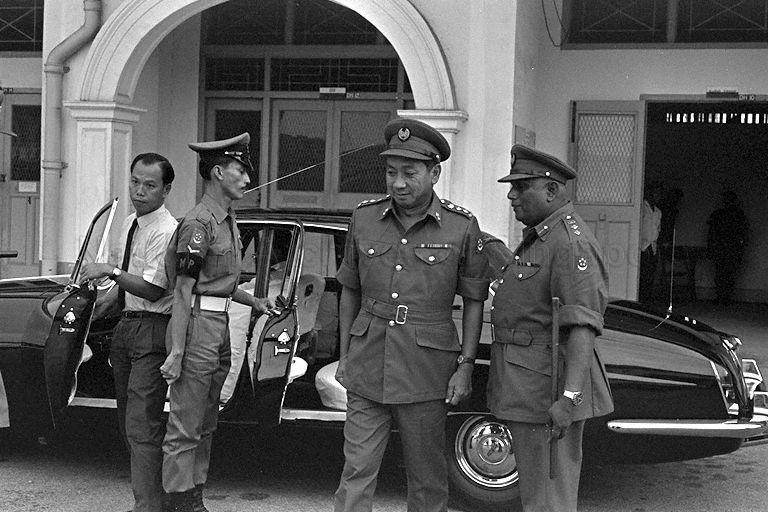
(519, 276)
(568, 217)
(431, 258)
(370, 251)
(403, 241)
(391, 323)
(501, 281)
(398, 267)
(492, 307)
(517, 257)
(395, 295)
(546, 227)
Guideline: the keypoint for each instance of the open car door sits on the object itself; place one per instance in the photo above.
(71, 313)
(278, 335)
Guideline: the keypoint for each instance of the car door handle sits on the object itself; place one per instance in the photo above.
(279, 350)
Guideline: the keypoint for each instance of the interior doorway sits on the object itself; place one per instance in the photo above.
(697, 151)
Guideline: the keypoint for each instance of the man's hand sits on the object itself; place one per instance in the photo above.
(263, 305)
(340, 371)
(91, 271)
(561, 414)
(171, 368)
(460, 385)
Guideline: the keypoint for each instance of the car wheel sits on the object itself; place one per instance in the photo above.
(482, 469)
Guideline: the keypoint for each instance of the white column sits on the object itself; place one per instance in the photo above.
(101, 164)
(448, 123)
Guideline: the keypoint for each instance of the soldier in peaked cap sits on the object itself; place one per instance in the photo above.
(558, 257)
(204, 260)
(407, 255)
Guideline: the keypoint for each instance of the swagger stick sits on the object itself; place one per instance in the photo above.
(555, 394)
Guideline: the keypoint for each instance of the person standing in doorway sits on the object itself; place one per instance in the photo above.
(558, 257)
(407, 256)
(205, 255)
(727, 241)
(138, 344)
(650, 224)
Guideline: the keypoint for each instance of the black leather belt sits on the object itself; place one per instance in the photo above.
(145, 314)
(400, 313)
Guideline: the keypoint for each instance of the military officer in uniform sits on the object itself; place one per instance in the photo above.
(407, 255)
(205, 254)
(558, 257)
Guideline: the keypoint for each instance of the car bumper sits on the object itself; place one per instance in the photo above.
(753, 430)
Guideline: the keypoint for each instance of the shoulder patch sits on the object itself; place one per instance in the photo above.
(455, 208)
(369, 202)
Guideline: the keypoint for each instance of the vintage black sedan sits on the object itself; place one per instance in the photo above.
(680, 389)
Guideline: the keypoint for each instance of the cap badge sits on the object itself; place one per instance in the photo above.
(582, 264)
(403, 134)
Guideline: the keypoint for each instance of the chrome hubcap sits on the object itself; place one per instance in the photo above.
(483, 449)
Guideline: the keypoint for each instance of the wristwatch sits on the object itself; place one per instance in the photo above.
(465, 359)
(576, 397)
(116, 272)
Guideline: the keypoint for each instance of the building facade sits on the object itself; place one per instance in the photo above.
(315, 80)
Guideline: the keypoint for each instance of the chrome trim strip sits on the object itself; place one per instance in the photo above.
(313, 414)
(5, 418)
(720, 383)
(99, 403)
(735, 429)
(649, 380)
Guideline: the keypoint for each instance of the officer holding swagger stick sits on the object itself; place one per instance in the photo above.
(558, 257)
(206, 256)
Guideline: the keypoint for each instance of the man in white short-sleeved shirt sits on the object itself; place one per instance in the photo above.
(138, 345)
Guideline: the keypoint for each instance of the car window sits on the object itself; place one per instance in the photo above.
(321, 253)
(94, 245)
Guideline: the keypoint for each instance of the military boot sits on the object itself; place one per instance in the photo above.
(197, 499)
(180, 501)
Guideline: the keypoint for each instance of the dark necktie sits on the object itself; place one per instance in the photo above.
(126, 261)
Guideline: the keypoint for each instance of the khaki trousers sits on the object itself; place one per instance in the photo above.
(195, 401)
(538, 492)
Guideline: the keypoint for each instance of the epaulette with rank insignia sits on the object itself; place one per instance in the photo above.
(455, 208)
(573, 224)
(369, 202)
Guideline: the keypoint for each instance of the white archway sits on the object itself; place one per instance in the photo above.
(130, 35)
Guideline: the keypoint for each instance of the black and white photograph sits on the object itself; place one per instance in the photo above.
(383, 255)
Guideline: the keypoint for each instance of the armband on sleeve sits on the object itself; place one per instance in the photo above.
(188, 264)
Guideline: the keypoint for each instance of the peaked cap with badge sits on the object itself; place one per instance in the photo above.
(414, 139)
(237, 148)
(527, 163)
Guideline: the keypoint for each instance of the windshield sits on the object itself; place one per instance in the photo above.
(94, 245)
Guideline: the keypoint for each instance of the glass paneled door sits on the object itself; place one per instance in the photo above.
(227, 118)
(327, 152)
(20, 184)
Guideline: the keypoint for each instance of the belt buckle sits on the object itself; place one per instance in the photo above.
(401, 310)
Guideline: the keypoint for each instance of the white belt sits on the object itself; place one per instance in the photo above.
(210, 303)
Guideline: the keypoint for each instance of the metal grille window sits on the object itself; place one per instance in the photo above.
(21, 25)
(305, 22)
(234, 74)
(362, 171)
(605, 158)
(665, 21)
(359, 75)
(324, 22)
(302, 144)
(25, 148)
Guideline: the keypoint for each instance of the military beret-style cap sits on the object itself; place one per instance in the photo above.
(410, 138)
(527, 163)
(236, 148)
